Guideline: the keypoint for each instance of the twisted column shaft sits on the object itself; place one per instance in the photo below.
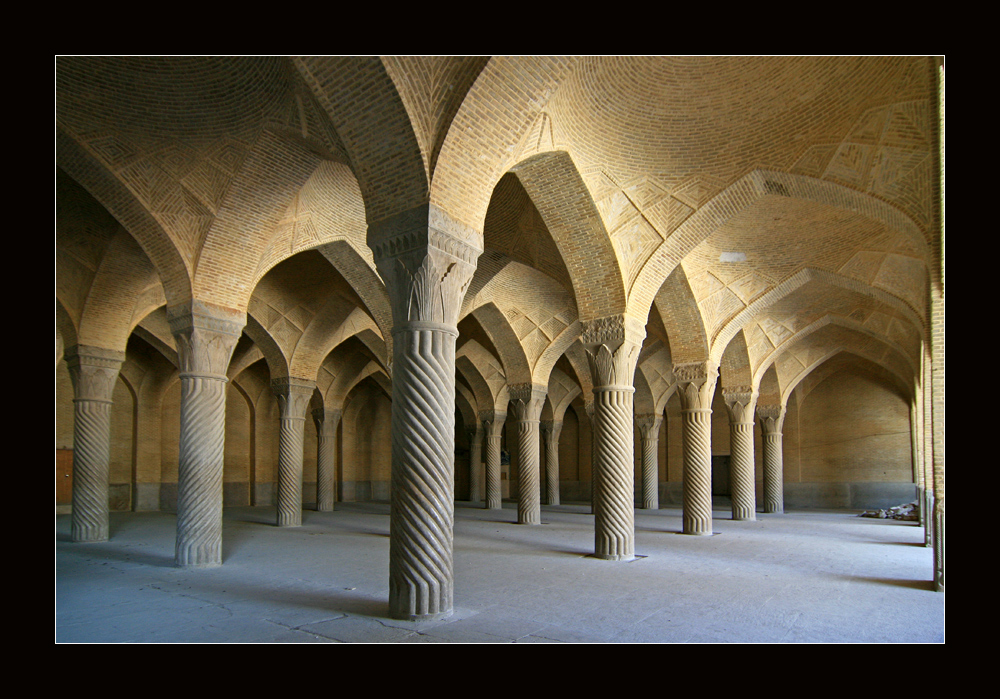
(199, 473)
(91, 457)
(475, 462)
(326, 458)
(696, 388)
(774, 492)
(649, 429)
(551, 432)
(741, 472)
(592, 416)
(771, 419)
(205, 336)
(740, 403)
(93, 371)
(293, 399)
(421, 577)
(527, 402)
(614, 526)
(493, 424)
(697, 471)
(528, 496)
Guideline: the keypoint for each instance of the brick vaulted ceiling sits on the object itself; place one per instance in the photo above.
(781, 191)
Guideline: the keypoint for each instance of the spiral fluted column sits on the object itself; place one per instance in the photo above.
(93, 371)
(612, 346)
(526, 406)
(493, 427)
(771, 419)
(740, 403)
(591, 412)
(475, 435)
(696, 388)
(426, 260)
(206, 336)
(293, 400)
(326, 457)
(649, 429)
(550, 432)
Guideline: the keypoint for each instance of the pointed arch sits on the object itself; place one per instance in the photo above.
(277, 363)
(791, 285)
(741, 195)
(384, 152)
(503, 337)
(577, 228)
(734, 365)
(678, 309)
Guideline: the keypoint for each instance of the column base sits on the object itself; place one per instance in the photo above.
(422, 617)
(198, 558)
(698, 529)
(90, 539)
(615, 556)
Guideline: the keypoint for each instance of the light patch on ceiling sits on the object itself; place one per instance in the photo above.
(733, 257)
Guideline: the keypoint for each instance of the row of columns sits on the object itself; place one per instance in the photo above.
(94, 372)
(426, 271)
(742, 466)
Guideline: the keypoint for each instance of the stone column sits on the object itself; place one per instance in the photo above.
(612, 346)
(696, 388)
(493, 427)
(771, 419)
(293, 400)
(550, 431)
(426, 261)
(740, 402)
(475, 435)
(206, 336)
(526, 402)
(649, 429)
(93, 371)
(592, 416)
(326, 420)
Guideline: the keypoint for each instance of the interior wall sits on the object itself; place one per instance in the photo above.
(236, 464)
(853, 446)
(367, 445)
(122, 452)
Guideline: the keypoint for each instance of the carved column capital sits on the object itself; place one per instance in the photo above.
(326, 420)
(612, 345)
(740, 402)
(293, 396)
(493, 422)
(206, 336)
(648, 424)
(93, 371)
(551, 428)
(771, 418)
(696, 384)
(426, 261)
(526, 401)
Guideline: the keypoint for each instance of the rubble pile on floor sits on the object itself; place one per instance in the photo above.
(908, 512)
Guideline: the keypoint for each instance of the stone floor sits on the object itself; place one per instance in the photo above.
(801, 577)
